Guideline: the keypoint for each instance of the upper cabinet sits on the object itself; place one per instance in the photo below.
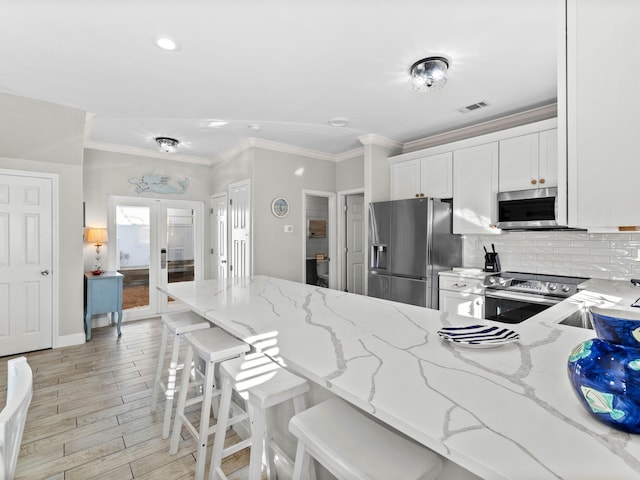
(601, 116)
(475, 189)
(529, 161)
(430, 176)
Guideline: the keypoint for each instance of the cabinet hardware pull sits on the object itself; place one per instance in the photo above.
(460, 285)
(534, 181)
(542, 180)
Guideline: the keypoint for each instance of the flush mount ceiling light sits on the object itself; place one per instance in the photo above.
(429, 74)
(167, 145)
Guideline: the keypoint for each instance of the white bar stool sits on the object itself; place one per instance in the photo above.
(212, 346)
(354, 447)
(264, 384)
(176, 324)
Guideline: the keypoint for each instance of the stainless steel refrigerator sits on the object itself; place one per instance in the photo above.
(410, 241)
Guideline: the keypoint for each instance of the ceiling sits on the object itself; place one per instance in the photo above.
(285, 66)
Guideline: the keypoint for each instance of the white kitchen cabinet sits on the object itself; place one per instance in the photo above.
(430, 176)
(601, 115)
(461, 294)
(405, 179)
(475, 189)
(529, 161)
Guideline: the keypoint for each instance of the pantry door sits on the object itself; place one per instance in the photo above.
(26, 262)
(156, 242)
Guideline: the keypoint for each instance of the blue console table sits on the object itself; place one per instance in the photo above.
(103, 294)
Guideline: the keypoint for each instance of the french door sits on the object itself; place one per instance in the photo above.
(156, 242)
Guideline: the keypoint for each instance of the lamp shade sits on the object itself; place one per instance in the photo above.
(97, 235)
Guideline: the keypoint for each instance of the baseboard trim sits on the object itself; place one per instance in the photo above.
(69, 340)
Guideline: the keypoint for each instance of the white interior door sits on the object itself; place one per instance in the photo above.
(355, 244)
(26, 254)
(240, 224)
(219, 265)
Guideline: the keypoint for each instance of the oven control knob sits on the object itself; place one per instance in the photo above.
(553, 287)
(501, 281)
(565, 288)
(492, 281)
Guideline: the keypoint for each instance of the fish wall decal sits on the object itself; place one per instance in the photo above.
(158, 184)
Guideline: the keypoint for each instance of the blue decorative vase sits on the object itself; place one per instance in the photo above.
(605, 371)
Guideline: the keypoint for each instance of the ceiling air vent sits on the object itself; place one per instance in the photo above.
(473, 106)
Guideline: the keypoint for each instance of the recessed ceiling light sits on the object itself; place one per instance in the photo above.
(166, 43)
(338, 122)
(217, 123)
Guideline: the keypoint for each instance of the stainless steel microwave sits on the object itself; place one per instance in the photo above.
(535, 209)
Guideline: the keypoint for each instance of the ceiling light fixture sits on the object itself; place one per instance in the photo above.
(338, 122)
(166, 43)
(217, 123)
(429, 74)
(167, 145)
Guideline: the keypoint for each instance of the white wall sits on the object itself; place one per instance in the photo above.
(107, 173)
(350, 174)
(285, 175)
(612, 256)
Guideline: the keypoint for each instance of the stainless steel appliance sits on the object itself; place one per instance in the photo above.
(410, 241)
(513, 297)
(535, 209)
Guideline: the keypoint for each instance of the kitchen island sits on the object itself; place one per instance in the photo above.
(506, 412)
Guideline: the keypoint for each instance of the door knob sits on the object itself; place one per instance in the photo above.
(223, 261)
(44, 273)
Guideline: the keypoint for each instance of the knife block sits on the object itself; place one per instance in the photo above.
(491, 262)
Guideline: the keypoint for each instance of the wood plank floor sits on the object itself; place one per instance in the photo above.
(90, 419)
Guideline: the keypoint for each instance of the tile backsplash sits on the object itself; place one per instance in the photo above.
(613, 256)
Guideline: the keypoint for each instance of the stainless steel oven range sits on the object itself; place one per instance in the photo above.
(513, 297)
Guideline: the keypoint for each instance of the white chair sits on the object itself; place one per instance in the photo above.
(14, 414)
(176, 325)
(354, 447)
(263, 384)
(211, 346)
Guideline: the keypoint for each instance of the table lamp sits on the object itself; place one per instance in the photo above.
(97, 236)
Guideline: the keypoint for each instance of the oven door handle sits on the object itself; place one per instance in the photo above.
(523, 297)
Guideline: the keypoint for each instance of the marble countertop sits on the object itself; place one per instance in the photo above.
(506, 412)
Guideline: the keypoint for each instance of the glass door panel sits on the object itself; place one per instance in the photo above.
(133, 234)
(180, 245)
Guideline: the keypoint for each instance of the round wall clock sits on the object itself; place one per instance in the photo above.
(280, 207)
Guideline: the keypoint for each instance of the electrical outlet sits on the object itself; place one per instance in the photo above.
(288, 229)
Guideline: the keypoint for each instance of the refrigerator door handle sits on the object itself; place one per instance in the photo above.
(429, 234)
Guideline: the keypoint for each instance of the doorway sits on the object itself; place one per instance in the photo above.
(156, 242)
(319, 220)
(351, 262)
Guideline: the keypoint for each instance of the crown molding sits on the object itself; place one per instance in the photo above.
(253, 142)
(349, 154)
(143, 152)
(241, 147)
(285, 148)
(517, 119)
(379, 140)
